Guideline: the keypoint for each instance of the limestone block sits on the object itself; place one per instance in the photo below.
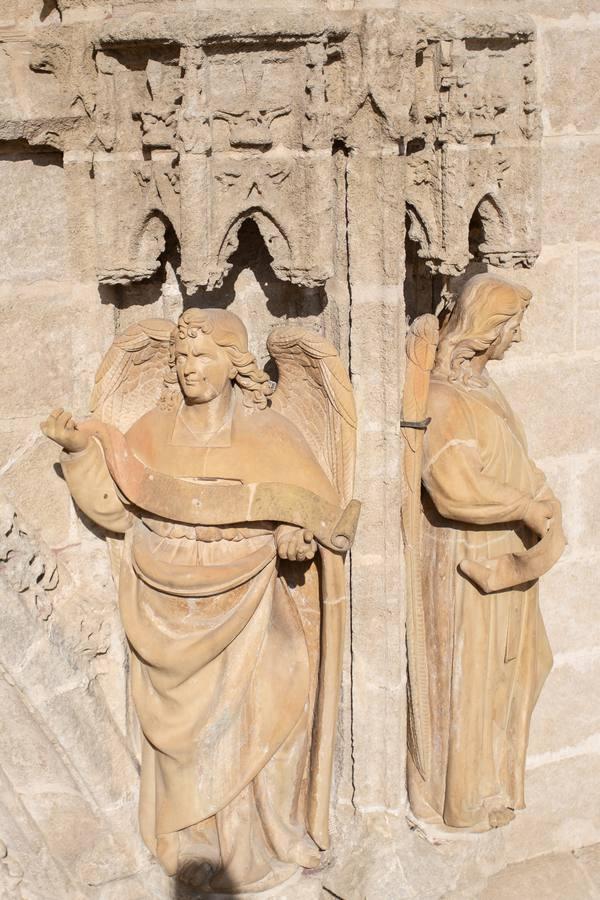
(588, 297)
(56, 326)
(589, 859)
(16, 437)
(43, 365)
(548, 877)
(9, 99)
(549, 326)
(38, 94)
(150, 884)
(563, 474)
(72, 328)
(33, 486)
(35, 246)
(567, 713)
(556, 397)
(589, 488)
(569, 600)
(563, 807)
(569, 98)
(82, 798)
(546, 9)
(570, 185)
(92, 324)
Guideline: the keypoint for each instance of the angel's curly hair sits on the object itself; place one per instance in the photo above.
(227, 331)
(486, 304)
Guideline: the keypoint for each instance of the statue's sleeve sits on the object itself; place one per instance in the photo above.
(93, 489)
(453, 473)
(543, 491)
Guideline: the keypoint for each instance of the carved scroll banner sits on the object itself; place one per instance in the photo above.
(214, 504)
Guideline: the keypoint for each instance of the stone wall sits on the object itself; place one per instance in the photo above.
(553, 379)
(68, 763)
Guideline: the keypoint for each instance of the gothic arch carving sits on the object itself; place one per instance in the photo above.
(272, 234)
(148, 243)
(495, 223)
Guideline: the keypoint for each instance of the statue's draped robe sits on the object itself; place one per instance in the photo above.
(488, 654)
(225, 645)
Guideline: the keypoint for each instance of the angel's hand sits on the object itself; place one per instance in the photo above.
(61, 428)
(538, 515)
(295, 543)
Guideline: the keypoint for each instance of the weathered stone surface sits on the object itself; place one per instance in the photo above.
(570, 183)
(568, 598)
(32, 485)
(569, 60)
(45, 310)
(552, 315)
(589, 859)
(552, 820)
(419, 108)
(560, 718)
(38, 244)
(549, 877)
(588, 297)
(571, 419)
(589, 484)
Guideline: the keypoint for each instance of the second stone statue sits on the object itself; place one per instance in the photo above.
(235, 503)
(478, 651)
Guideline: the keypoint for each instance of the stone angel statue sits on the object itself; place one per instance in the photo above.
(235, 502)
(491, 525)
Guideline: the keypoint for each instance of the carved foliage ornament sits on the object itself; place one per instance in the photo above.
(224, 103)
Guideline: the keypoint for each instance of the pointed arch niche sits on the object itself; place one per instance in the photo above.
(252, 289)
(158, 296)
(489, 228)
(486, 227)
(422, 288)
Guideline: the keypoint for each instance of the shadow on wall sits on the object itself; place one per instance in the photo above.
(49, 9)
(426, 292)
(477, 264)
(283, 299)
(148, 292)
(422, 289)
(40, 155)
(191, 882)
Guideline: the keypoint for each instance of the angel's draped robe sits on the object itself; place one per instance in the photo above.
(488, 654)
(225, 651)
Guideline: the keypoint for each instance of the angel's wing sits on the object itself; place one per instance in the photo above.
(314, 391)
(421, 345)
(130, 379)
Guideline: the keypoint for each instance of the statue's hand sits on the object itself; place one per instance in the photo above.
(61, 428)
(295, 543)
(537, 516)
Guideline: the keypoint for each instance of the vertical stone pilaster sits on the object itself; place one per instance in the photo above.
(195, 218)
(81, 213)
(376, 268)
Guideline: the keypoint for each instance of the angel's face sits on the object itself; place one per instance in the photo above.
(510, 334)
(203, 368)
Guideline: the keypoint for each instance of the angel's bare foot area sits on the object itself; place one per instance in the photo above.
(501, 816)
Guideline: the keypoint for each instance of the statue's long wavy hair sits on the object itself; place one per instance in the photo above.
(228, 332)
(483, 309)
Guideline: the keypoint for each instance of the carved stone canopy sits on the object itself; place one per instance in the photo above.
(193, 122)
